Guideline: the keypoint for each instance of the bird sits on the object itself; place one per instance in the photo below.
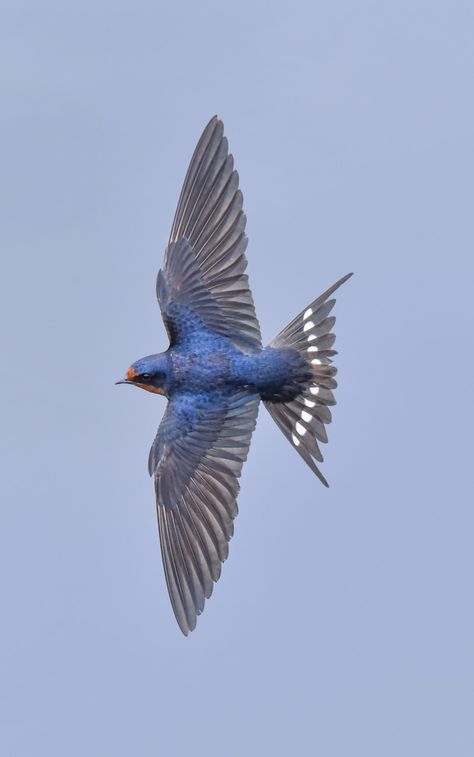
(216, 372)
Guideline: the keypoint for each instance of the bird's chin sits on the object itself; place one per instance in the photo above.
(149, 387)
(146, 387)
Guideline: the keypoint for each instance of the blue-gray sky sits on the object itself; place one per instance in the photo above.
(343, 621)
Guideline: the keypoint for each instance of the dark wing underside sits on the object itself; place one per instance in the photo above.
(197, 458)
(209, 231)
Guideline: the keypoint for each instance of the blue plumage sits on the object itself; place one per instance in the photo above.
(216, 372)
(204, 361)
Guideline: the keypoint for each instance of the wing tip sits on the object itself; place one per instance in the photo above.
(213, 122)
(185, 630)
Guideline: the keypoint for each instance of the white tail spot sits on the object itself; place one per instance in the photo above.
(307, 314)
(306, 416)
(315, 361)
(295, 440)
(314, 390)
(311, 337)
(300, 429)
(312, 349)
(310, 403)
(308, 326)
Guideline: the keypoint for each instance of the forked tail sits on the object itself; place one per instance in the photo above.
(303, 420)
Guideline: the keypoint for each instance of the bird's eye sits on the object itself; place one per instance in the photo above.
(146, 376)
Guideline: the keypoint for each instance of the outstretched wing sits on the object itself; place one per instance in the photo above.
(203, 274)
(196, 459)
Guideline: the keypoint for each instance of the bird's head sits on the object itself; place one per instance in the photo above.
(148, 373)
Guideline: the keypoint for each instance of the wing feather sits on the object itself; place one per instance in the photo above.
(197, 464)
(209, 231)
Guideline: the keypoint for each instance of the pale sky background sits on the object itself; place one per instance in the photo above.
(343, 623)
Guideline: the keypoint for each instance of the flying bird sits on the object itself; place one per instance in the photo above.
(215, 373)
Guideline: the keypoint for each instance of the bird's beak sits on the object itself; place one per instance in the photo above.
(129, 376)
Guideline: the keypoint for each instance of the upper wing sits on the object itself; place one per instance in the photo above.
(197, 458)
(206, 250)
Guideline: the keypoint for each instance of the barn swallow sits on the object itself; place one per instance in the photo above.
(215, 373)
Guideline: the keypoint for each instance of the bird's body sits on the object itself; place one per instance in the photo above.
(216, 372)
(207, 363)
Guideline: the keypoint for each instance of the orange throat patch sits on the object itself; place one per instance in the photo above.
(150, 388)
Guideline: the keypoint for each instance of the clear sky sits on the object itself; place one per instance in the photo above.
(343, 623)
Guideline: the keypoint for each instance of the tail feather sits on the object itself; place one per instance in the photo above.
(303, 420)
